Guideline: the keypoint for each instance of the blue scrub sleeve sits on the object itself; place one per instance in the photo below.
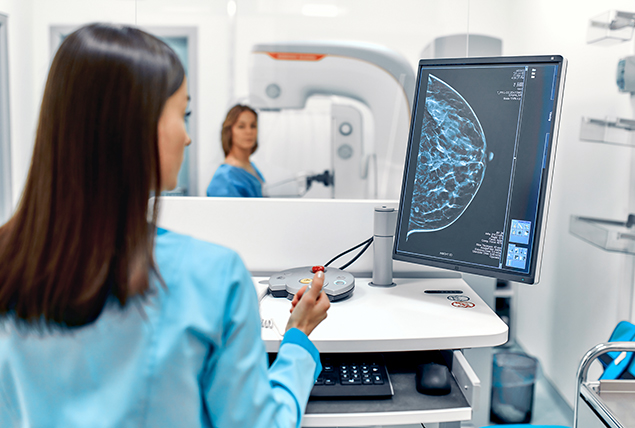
(240, 390)
(297, 337)
(222, 185)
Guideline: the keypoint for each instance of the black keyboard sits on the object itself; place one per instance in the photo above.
(353, 376)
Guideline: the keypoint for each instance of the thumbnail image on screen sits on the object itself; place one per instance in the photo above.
(479, 157)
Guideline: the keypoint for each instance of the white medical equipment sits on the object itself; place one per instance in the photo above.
(296, 186)
(369, 124)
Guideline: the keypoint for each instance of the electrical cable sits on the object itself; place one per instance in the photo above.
(362, 251)
(366, 242)
(347, 251)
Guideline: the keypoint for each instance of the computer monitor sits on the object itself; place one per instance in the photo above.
(479, 165)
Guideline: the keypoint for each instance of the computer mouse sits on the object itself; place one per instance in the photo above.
(433, 379)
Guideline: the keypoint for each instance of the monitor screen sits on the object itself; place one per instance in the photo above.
(479, 164)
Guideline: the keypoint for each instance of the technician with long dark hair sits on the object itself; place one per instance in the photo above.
(105, 320)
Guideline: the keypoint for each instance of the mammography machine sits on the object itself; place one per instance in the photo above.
(370, 117)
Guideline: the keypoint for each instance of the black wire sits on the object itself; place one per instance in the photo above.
(348, 251)
(362, 251)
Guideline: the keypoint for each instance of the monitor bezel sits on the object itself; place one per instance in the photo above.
(533, 276)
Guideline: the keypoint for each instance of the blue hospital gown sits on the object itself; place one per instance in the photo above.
(229, 180)
(190, 355)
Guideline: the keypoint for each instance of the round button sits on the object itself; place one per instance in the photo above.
(317, 268)
(458, 298)
(346, 128)
(273, 91)
(345, 151)
(339, 282)
(305, 281)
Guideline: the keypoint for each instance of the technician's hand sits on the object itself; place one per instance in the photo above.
(309, 307)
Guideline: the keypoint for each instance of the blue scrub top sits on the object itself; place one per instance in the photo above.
(234, 181)
(188, 355)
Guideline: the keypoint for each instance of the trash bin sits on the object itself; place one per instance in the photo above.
(513, 379)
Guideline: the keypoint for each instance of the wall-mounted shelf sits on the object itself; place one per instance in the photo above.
(611, 27)
(610, 131)
(610, 235)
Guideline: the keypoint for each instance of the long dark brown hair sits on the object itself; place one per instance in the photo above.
(230, 120)
(80, 234)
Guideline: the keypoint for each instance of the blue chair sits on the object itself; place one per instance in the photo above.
(619, 365)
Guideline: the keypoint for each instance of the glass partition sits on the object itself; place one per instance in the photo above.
(334, 85)
(331, 80)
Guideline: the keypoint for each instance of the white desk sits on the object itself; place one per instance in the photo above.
(400, 318)
(394, 320)
(275, 234)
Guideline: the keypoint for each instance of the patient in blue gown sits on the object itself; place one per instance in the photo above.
(238, 176)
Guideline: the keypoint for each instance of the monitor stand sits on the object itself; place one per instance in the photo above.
(385, 221)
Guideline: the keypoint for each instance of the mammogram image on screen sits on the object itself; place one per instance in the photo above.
(451, 161)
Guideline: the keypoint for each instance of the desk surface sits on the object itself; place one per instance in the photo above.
(399, 318)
